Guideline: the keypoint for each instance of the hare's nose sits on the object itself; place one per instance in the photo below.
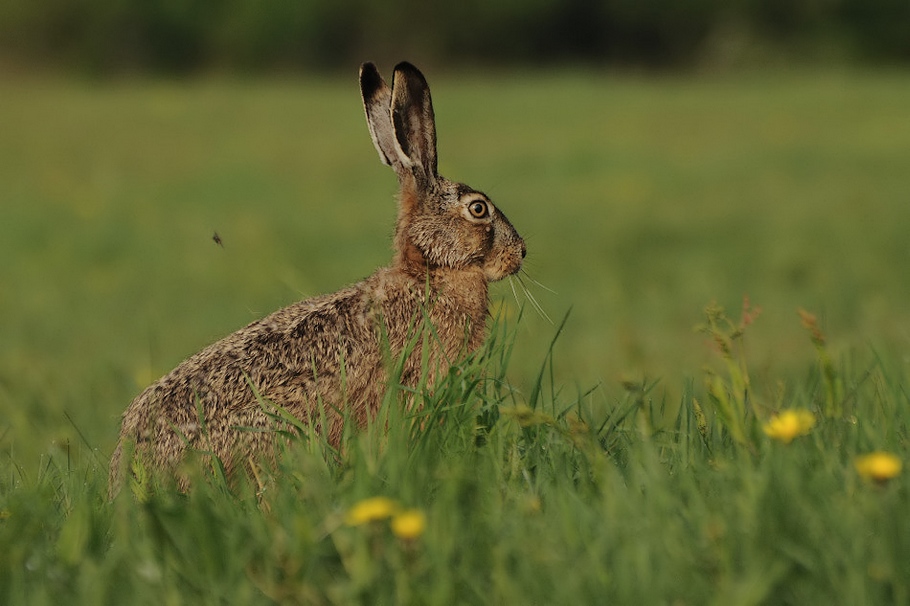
(524, 250)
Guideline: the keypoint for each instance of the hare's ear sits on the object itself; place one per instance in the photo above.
(377, 103)
(413, 121)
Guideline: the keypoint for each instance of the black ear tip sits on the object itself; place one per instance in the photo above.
(368, 70)
(406, 66)
(370, 79)
(408, 69)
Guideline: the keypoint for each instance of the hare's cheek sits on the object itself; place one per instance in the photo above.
(488, 238)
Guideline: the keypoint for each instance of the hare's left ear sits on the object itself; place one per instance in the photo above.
(377, 103)
(413, 122)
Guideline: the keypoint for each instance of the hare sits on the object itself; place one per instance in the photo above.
(329, 354)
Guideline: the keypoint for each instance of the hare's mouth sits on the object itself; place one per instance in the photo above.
(504, 266)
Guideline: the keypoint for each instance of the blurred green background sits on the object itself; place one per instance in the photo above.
(657, 159)
(188, 35)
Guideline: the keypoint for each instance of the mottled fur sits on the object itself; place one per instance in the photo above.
(328, 354)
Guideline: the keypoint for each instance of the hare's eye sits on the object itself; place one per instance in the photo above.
(479, 209)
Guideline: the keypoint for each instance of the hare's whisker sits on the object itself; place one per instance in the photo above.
(536, 283)
(534, 302)
(514, 292)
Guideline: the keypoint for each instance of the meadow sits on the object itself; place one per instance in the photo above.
(609, 451)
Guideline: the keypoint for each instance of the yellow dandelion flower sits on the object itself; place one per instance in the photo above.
(409, 524)
(878, 466)
(370, 510)
(789, 424)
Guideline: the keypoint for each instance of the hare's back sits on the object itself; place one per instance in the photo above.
(290, 358)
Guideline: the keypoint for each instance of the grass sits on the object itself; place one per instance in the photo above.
(642, 200)
(554, 498)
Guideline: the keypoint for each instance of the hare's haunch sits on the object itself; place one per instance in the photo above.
(328, 354)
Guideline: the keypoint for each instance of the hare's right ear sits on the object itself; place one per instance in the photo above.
(377, 104)
(413, 120)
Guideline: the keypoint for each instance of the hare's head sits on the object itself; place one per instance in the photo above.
(441, 224)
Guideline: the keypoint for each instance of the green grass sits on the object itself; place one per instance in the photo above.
(556, 498)
(642, 200)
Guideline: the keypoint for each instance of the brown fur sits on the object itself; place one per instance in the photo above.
(322, 356)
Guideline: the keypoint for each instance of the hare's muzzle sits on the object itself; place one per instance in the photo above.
(507, 253)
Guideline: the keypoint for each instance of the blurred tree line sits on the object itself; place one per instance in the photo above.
(187, 35)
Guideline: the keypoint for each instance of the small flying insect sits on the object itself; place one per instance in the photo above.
(217, 239)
